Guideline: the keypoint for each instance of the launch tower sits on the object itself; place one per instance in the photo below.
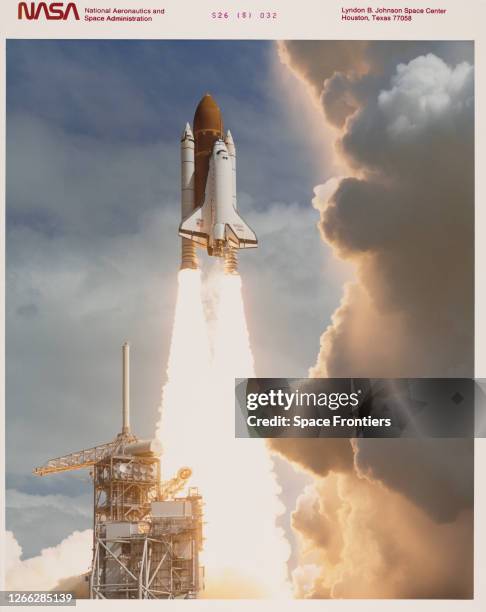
(146, 536)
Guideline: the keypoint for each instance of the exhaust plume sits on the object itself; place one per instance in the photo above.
(235, 476)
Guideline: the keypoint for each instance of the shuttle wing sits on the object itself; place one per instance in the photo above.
(240, 234)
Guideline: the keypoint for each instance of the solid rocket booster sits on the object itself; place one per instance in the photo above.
(208, 191)
(188, 253)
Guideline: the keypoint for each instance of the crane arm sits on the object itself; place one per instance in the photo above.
(78, 460)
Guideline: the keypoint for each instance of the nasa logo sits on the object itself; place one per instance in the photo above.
(51, 11)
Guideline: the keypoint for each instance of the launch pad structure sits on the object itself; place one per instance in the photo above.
(146, 535)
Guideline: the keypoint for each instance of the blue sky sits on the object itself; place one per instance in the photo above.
(142, 92)
(93, 131)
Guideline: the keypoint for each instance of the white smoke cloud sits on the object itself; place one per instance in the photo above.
(71, 557)
(424, 91)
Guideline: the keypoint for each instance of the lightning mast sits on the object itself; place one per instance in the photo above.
(146, 538)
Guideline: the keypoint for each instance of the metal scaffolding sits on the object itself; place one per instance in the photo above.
(156, 559)
(146, 537)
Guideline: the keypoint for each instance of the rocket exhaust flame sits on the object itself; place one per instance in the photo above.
(197, 428)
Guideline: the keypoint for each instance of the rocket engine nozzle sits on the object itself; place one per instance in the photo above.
(188, 255)
(217, 250)
(231, 261)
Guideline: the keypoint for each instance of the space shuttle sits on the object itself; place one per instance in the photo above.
(210, 217)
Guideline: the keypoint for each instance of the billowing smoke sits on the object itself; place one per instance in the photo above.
(209, 349)
(405, 218)
(62, 564)
(308, 454)
(403, 214)
(360, 539)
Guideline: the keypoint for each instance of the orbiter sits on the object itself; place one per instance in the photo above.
(210, 217)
